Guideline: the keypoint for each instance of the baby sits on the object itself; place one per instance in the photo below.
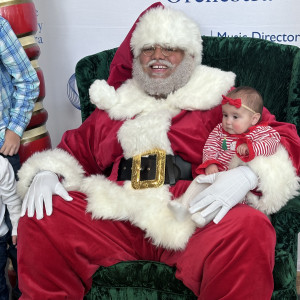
(241, 133)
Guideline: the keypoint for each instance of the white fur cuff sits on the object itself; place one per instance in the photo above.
(278, 181)
(56, 161)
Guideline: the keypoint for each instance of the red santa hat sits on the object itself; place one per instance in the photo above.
(165, 26)
(156, 25)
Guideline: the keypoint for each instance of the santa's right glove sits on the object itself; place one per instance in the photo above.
(226, 190)
(44, 185)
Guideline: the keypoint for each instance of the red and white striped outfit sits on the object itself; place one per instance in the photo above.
(261, 140)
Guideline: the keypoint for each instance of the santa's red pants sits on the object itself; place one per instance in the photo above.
(58, 255)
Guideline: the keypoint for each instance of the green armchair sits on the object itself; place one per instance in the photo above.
(274, 70)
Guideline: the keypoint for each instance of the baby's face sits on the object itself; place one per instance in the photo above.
(236, 120)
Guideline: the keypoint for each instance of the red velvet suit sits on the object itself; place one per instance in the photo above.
(59, 254)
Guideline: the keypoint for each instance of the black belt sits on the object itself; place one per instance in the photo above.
(176, 169)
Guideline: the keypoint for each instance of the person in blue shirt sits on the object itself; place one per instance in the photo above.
(19, 88)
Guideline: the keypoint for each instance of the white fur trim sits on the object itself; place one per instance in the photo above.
(56, 161)
(167, 26)
(131, 100)
(147, 209)
(145, 132)
(147, 120)
(278, 180)
(103, 95)
(203, 91)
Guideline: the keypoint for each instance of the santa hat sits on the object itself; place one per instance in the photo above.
(155, 25)
(165, 26)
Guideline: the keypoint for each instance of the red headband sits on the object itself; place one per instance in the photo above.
(235, 102)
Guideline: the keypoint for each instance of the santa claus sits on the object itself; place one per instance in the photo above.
(136, 152)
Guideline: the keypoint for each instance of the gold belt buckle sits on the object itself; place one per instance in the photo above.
(159, 180)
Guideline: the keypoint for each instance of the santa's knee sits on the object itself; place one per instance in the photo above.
(250, 226)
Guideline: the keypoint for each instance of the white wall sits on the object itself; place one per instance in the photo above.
(72, 29)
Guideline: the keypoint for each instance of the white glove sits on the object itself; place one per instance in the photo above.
(44, 185)
(226, 190)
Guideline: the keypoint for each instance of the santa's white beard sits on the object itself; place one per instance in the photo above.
(164, 86)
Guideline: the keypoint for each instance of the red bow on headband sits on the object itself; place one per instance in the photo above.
(235, 102)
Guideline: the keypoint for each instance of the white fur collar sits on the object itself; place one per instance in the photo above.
(202, 92)
(147, 120)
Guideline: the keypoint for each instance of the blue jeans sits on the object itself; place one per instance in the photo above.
(4, 292)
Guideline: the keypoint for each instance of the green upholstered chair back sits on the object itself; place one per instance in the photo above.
(272, 69)
(87, 70)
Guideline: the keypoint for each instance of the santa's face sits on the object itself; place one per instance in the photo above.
(159, 76)
(160, 61)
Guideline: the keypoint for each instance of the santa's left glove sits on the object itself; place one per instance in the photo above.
(44, 185)
(226, 190)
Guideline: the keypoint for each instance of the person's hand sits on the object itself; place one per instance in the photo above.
(213, 168)
(44, 185)
(14, 239)
(11, 143)
(243, 149)
(226, 190)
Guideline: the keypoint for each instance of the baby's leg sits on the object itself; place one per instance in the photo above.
(179, 211)
(180, 206)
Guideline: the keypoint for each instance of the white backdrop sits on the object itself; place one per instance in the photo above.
(71, 29)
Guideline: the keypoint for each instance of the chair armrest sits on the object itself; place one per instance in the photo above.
(287, 225)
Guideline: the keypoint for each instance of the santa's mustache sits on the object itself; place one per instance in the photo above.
(160, 61)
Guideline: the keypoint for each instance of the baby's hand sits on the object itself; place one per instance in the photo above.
(242, 150)
(213, 168)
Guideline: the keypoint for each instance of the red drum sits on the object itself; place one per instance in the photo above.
(21, 14)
